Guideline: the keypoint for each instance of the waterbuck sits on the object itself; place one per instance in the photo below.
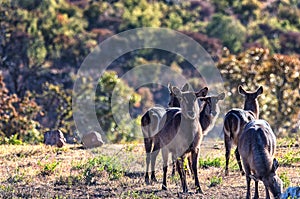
(150, 126)
(235, 120)
(182, 134)
(207, 117)
(257, 145)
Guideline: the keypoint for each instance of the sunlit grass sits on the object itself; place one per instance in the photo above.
(72, 167)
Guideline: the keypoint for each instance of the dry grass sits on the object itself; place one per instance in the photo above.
(116, 171)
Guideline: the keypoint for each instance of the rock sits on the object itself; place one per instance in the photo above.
(291, 192)
(92, 139)
(55, 137)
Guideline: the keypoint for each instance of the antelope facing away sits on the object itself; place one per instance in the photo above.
(235, 120)
(150, 126)
(182, 134)
(257, 145)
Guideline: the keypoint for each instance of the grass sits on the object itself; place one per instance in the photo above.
(97, 166)
(289, 158)
(215, 180)
(72, 172)
(48, 168)
(16, 177)
(138, 194)
(285, 179)
(210, 162)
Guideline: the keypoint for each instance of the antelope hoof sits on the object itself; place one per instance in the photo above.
(147, 181)
(199, 190)
(226, 172)
(185, 191)
(154, 179)
(243, 173)
(164, 187)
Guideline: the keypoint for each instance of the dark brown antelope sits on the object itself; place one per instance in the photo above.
(257, 145)
(235, 120)
(181, 135)
(210, 112)
(150, 126)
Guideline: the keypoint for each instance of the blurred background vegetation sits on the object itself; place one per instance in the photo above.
(43, 43)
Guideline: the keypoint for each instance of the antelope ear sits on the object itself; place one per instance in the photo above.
(170, 87)
(221, 96)
(202, 93)
(275, 165)
(177, 91)
(241, 90)
(185, 87)
(259, 91)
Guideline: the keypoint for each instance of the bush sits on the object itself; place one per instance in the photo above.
(229, 30)
(17, 117)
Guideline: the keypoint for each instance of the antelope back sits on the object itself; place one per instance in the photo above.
(257, 146)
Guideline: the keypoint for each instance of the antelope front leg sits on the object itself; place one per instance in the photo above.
(228, 145)
(248, 179)
(238, 158)
(182, 174)
(195, 157)
(256, 190)
(267, 193)
(165, 168)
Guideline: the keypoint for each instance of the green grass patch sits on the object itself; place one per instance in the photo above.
(289, 158)
(94, 167)
(210, 162)
(70, 181)
(48, 168)
(286, 142)
(214, 181)
(138, 194)
(285, 179)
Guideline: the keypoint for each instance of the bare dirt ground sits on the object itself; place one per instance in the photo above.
(71, 172)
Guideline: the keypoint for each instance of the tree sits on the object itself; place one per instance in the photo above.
(139, 13)
(18, 116)
(279, 74)
(229, 30)
(104, 109)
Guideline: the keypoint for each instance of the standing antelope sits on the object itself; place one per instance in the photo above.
(235, 121)
(207, 117)
(150, 126)
(257, 145)
(182, 134)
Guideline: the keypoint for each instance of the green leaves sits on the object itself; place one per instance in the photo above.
(279, 76)
(229, 30)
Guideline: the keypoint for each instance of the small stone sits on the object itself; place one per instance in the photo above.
(55, 137)
(92, 139)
